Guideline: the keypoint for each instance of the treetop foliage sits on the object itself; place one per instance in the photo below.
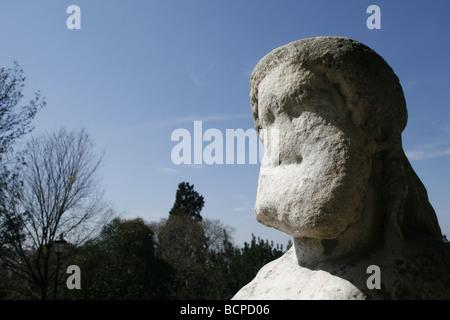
(187, 201)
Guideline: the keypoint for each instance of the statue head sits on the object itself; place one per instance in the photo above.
(338, 110)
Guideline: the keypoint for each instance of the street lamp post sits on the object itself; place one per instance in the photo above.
(59, 248)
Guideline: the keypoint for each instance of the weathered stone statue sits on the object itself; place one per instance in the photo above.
(341, 184)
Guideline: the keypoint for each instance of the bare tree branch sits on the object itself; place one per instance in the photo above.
(59, 195)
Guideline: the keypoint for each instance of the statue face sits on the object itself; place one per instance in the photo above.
(311, 183)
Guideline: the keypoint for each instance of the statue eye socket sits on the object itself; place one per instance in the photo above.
(268, 116)
(293, 110)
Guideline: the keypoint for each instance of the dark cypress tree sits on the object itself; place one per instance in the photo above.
(187, 201)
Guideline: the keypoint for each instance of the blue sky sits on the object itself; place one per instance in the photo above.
(138, 70)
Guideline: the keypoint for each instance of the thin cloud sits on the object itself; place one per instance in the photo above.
(200, 69)
(446, 128)
(427, 154)
(244, 203)
(194, 166)
(434, 149)
(166, 170)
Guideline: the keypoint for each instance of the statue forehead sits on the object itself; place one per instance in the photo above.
(289, 79)
(292, 89)
(366, 84)
(284, 79)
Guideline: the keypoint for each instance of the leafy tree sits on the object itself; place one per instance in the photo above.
(183, 244)
(222, 272)
(187, 201)
(186, 244)
(122, 264)
(231, 268)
